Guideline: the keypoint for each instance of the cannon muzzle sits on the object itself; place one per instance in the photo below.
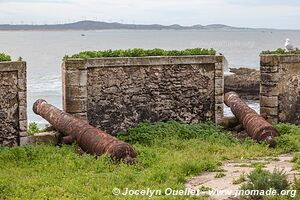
(255, 125)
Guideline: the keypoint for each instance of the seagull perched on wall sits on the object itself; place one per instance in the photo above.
(288, 45)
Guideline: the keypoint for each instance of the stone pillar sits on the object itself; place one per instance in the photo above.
(13, 103)
(74, 82)
(22, 96)
(269, 88)
(280, 88)
(219, 90)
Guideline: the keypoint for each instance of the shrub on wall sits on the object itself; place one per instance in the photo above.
(281, 51)
(141, 53)
(4, 57)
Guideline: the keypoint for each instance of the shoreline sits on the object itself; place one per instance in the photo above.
(196, 30)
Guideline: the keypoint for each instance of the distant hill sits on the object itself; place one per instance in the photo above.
(97, 25)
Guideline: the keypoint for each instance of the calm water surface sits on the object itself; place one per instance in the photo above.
(44, 51)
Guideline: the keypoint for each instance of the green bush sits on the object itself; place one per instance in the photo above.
(4, 57)
(289, 141)
(137, 52)
(33, 128)
(263, 180)
(281, 51)
(296, 161)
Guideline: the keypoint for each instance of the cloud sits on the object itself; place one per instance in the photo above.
(36, 1)
(264, 2)
(254, 13)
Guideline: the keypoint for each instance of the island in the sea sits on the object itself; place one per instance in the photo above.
(98, 25)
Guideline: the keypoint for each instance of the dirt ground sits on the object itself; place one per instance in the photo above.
(236, 171)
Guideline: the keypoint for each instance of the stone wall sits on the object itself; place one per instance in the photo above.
(13, 114)
(280, 88)
(117, 93)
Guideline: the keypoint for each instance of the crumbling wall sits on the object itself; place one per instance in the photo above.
(13, 114)
(280, 88)
(117, 93)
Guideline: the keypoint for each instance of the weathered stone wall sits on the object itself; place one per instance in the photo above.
(280, 88)
(117, 93)
(13, 114)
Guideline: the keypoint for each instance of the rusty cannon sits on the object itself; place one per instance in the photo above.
(254, 124)
(89, 138)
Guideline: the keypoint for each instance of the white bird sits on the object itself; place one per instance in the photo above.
(288, 45)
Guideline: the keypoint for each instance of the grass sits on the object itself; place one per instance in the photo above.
(281, 51)
(240, 180)
(220, 175)
(169, 154)
(136, 52)
(4, 57)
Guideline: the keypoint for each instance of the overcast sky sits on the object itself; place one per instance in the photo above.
(244, 13)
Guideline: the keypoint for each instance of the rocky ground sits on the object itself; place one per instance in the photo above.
(244, 81)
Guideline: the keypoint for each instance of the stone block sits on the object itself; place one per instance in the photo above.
(269, 91)
(22, 85)
(219, 99)
(22, 98)
(266, 111)
(269, 68)
(269, 79)
(22, 113)
(219, 91)
(82, 116)
(23, 134)
(219, 73)
(290, 59)
(269, 60)
(73, 91)
(76, 105)
(23, 125)
(269, 101)
(76, 77)
(74, 64)
(219, 82)
(45, 138)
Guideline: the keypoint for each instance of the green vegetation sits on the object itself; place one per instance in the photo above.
(240, 180)
(33, 128)
(220, 175)
(4, 57)
(260, 179)
(169, 154)
(141, 53)
(296, 160)
(289, 141)
(281, 51)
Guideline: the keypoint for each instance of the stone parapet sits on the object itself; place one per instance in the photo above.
(115, 94)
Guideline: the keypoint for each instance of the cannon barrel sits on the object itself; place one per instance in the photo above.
(255, 125)
(89, 138)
